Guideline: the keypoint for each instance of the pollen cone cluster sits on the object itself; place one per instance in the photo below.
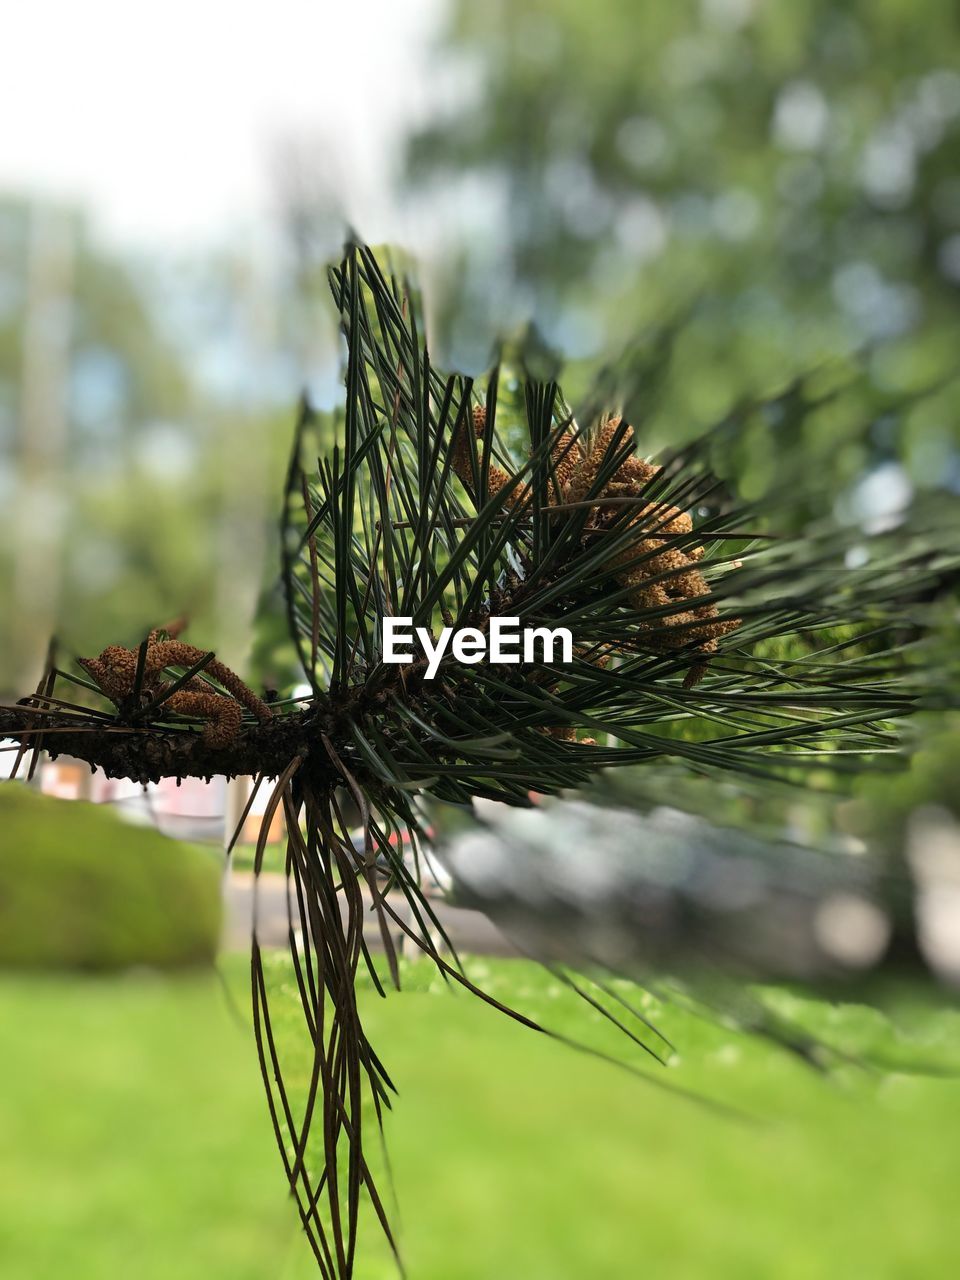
(659, 564)
(115, 673)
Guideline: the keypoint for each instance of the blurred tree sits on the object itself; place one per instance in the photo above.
(123, 388)
(786, 172)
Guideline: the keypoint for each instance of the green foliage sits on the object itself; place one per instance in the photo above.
(784, 173)
(754, 130)
(883, 812)
(79, 889)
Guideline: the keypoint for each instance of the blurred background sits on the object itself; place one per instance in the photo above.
(785, 179)
(783, 182)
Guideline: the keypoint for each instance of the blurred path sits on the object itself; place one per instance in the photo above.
(468, 930)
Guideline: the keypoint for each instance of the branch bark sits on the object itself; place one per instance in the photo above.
(148, 754)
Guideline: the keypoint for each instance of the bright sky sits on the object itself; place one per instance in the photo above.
(166, 120)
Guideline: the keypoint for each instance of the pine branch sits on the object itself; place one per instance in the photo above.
(149, 753)
(728, 637)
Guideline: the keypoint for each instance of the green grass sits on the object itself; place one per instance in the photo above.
(135, 1141)
(243, 856)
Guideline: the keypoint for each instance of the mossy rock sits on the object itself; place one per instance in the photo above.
(81, 889)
